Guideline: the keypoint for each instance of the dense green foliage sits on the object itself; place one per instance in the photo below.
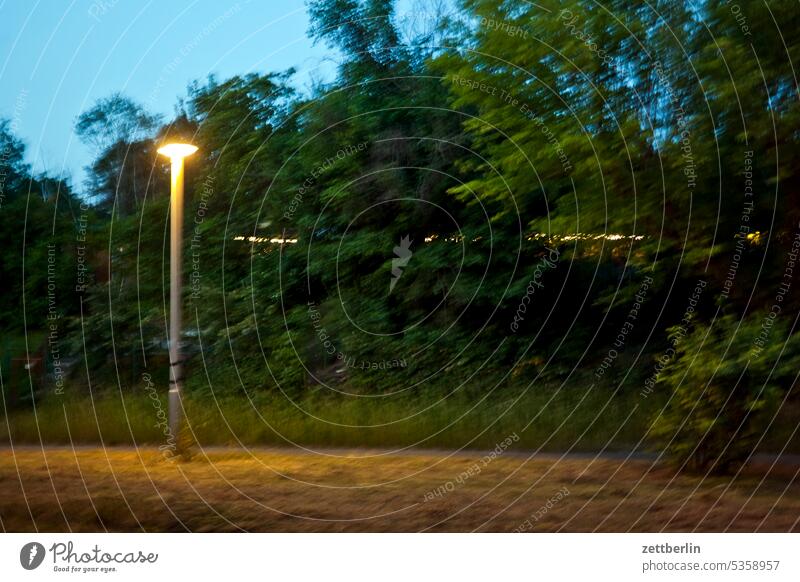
(594, 198)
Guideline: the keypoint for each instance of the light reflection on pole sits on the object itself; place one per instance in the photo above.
(176, 152)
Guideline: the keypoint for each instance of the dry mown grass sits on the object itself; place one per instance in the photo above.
(133, 490)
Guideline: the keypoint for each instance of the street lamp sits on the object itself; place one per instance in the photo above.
(176, 152)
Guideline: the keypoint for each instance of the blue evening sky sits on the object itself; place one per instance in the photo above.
(58, 57)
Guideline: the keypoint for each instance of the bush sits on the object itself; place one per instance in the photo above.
(727, 381)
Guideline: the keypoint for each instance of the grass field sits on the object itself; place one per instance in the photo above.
(93, 478)
(547, 419)
(586, 420)
(90, 489)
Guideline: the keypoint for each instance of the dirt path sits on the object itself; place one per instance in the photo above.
(90, 489)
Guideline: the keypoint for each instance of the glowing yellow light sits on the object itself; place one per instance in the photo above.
(177, 150)
(263, 239)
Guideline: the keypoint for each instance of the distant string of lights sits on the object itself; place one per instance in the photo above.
(753, 238)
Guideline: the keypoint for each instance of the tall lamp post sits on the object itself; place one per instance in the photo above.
(176, 152)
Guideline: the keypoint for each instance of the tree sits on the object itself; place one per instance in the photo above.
(38, 223)
(112, 120)
(120, 130)
(13, 169)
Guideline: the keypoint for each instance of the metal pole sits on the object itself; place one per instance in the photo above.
(175, 307)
